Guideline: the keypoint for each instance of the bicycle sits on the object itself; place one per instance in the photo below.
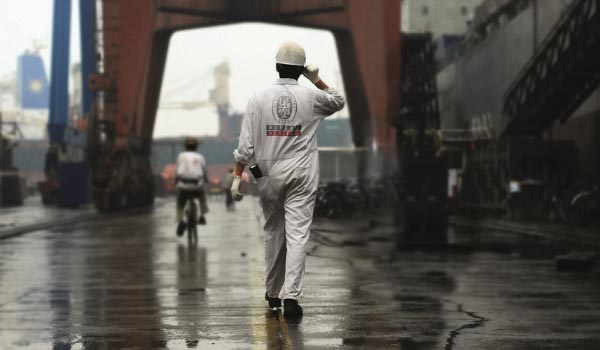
(585, 206)
(191, 219)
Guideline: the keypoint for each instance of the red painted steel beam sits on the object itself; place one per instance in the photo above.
(367, 34)
(250, 10)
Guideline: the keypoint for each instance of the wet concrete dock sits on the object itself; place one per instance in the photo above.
(127, 282)
(34, 216)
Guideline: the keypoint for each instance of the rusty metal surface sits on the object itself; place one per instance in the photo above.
(251, 9)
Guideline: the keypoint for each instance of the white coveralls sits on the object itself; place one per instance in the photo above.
(279, 134)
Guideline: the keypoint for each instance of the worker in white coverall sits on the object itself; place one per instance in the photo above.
(279, 135)
(191, 175)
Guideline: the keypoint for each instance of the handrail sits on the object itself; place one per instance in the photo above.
(566, 15)
(529, 100)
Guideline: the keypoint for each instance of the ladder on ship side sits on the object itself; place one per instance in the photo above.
(562, 73)
(418, 95)
(421, 171)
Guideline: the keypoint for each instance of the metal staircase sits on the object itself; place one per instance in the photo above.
(418, 93)
(421, 180)
(562, 73)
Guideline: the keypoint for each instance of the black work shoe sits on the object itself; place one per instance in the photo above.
(273, 302)
(180, 229)
(291, 308)
(201, 220)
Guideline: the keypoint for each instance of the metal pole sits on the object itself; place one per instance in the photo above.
(59, 76)
(87, 26)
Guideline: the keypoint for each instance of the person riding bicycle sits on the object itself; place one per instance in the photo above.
(190, 177)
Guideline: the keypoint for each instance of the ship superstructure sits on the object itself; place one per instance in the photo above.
(524, 87)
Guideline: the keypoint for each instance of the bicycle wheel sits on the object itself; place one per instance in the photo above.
(192, 221)
(580, 207)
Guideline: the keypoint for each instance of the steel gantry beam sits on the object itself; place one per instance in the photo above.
(251, 10)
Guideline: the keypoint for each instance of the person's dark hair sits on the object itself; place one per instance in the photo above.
(289, 71)
(190, 144)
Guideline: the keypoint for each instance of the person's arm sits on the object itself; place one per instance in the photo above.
(205, 170)
(321, 85)
(178, 168)
(327, 102)
(237, 181)
(239, 169)
(245, 151)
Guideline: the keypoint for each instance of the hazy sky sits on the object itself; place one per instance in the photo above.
(249, 47)
(24, 21)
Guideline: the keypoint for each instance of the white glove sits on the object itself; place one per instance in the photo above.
(235, 188)
(311, 72)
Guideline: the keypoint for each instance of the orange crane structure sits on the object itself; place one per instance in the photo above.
(133, 49)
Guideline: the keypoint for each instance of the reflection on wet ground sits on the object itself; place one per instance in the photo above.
(520, 245)
(129, 283)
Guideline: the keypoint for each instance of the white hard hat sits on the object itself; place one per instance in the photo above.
(292, 54)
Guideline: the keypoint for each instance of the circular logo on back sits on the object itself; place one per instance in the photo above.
(284, 107)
